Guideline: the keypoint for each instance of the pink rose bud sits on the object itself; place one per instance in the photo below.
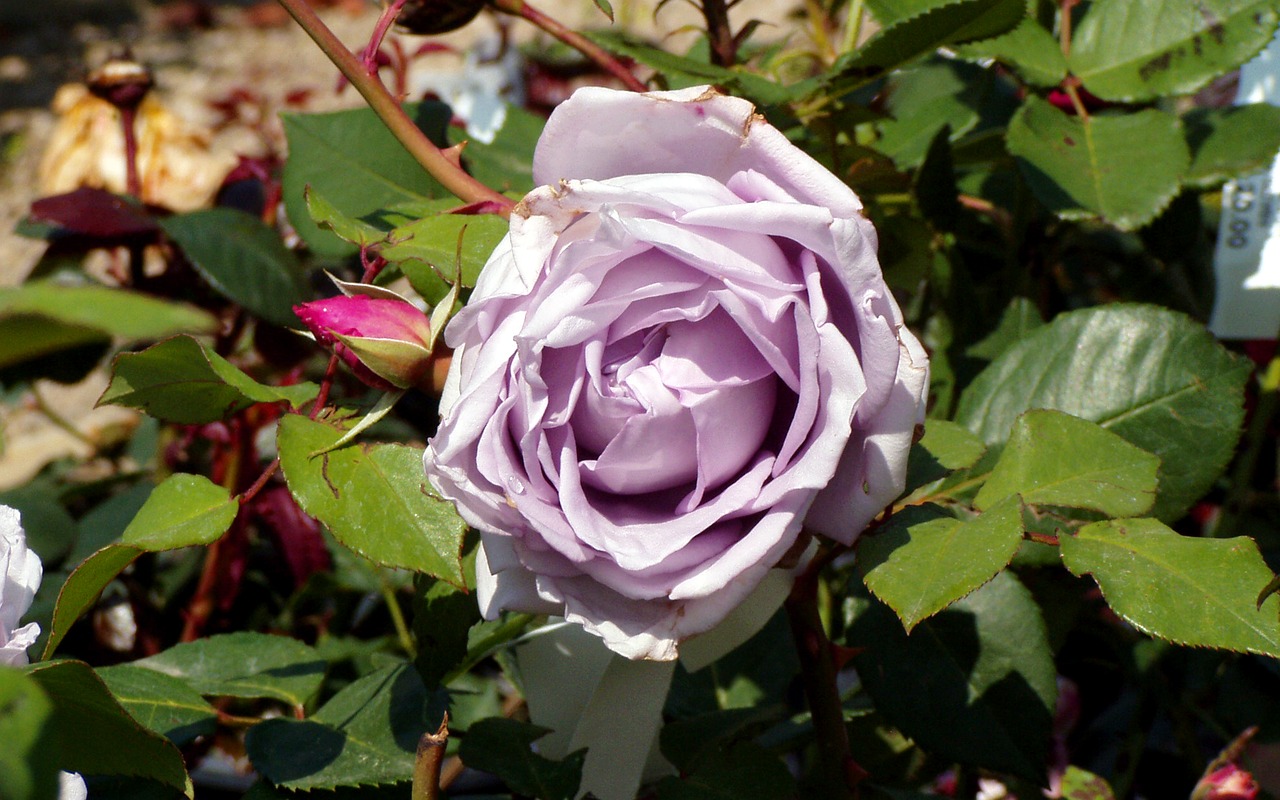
(385, 342)
(1227, 783)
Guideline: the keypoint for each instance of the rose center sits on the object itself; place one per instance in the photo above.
(684, 403)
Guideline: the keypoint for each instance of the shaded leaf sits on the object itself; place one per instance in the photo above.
(1018, 320)
(501, 747)
(923, 560)
(243, 259)
(1078, 784)
(442, 620)
(1230, 142)
(1056, 459)
(1198, 592)
(163, 704)
(28, 767)
(1123, 168)
(367, 734)
(244, 664)
(353, 161)
(1151, 375)
(976, 683)
(85, 716)
(180, 380)
(374, 498)
(43, 317)
(1030, 50)
(743, 771)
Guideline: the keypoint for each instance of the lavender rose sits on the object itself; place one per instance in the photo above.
(20, 571)
(683, 351)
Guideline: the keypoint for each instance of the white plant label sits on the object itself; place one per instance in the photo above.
(1247, 256)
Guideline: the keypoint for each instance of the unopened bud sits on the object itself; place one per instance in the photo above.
(1227, 782)
(385, 342)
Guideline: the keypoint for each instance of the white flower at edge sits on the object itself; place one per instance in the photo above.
(491, 77)
(71, 787)
(21, 571)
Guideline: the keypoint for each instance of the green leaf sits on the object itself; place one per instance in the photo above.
(349, 229)
(1019, 319)
(682, 71)
(1077, 784)
(915, 27)
(1230, 142)
(432, 243)
(442, 620)
(244, 664)
(367, 734)
(944, 448)
(743, 771)
(1150, 375)
(923, 560)
(93, 735)
(506, 163)
(374, 498)
(1134, 50)
(82, 588)
(43, 317)
(353, 161)
(501, 747)
(180, 380)
(1056, 459)
(243, 259)
(975, 684)
(1122, 168)
(1198, 592)
(1030, 50)
(922, 101)
(183, 511)
(28, 765)
(164, 704)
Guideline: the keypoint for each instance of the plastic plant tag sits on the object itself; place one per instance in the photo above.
(1247, 257)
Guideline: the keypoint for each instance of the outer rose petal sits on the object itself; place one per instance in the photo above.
(22, 571)
(687, 269)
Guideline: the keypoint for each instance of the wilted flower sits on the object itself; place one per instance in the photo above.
(22, 572)
(386, 342)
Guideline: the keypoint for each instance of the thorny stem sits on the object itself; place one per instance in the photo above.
(326, 383)
(434, 160)
(577, 41)
(426, 768)
(838, 773)
(724, 50)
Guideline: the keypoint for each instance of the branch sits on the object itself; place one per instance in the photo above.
(388, 109)
(577, 41)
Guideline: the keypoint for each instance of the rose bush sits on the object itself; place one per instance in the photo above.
(683, 351)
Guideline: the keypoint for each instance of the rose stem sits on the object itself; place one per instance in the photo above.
(853, 26)
(426, 767)
(1071, 82)
(724, 50)
(838, 772)
(432, 158)
(577, 41)
(388, 16)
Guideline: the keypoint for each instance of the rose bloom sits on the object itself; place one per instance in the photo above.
(21, 571)
(683, 352)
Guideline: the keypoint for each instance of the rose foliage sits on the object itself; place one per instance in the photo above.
(815, 409)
